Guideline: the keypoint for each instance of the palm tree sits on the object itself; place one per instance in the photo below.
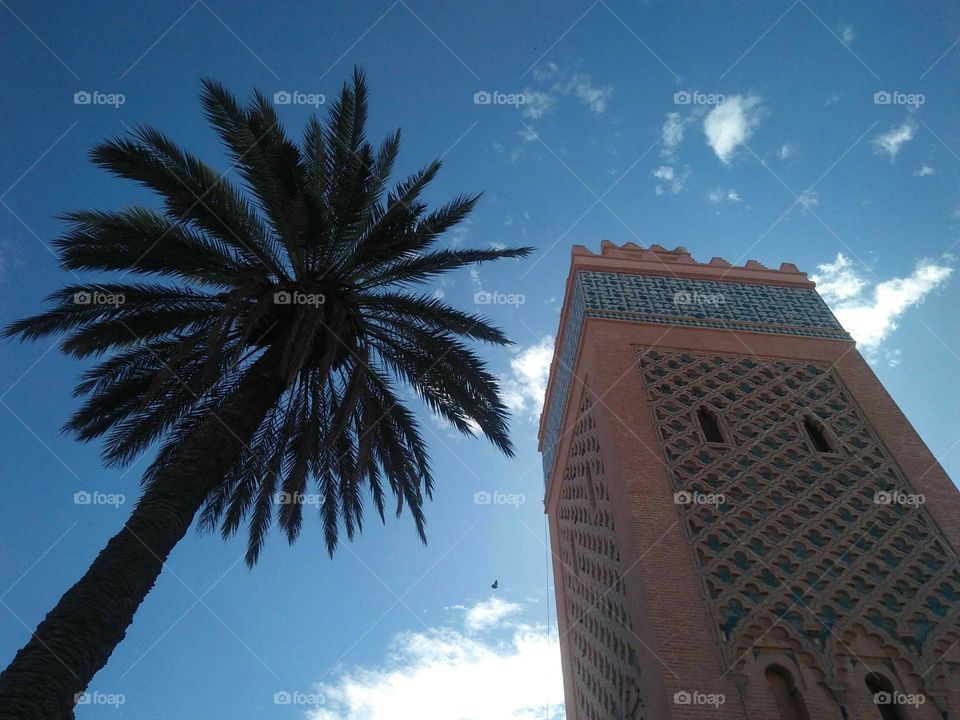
(262, 360)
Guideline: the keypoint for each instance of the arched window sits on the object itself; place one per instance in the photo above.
(710, 425)
(819, 437)
(884, 696)
(790, 704)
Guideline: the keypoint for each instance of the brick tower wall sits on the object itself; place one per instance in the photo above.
(803, 564)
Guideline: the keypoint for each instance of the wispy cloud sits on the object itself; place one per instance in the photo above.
(846, 33)
(489, 613)
(596, 97)
(501, 671)
(719, 195)
(731, 123)
(578, 85)
(869, 310)
(526, 385)
(672, 180)
(809, 198)
(786, 151)
(536, 104)
(924, 171)
(671, 134)
(894, 139)
(528, 135)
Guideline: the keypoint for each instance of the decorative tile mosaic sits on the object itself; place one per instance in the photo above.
(681, 302)
(826, 545)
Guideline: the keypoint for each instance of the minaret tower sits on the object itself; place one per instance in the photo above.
(744, 525)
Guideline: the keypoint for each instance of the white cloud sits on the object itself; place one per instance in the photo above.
(546, 72)
(869, 311)
(673, 181)
(846, 33)
(731, 123)
(809, 198)
(527, 135)
(891, 141)
(489, 613)
(578, 85)
(924, 171)
(589, 94)
(719, 195)
(447, 673)
(524, 389)
(786, 151)
(671, 134)
(536, 103)
(838, 282)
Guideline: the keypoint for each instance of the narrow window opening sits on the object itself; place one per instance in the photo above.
(790, 705)
(591, 490)
(883, 696)
(574, 560)
(709, 425)
(818, 437)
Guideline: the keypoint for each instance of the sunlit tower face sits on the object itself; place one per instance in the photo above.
(743, 523)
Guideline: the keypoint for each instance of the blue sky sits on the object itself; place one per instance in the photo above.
(804, 132)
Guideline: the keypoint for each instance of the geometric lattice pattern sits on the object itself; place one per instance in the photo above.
(603, 647)
(710, 303)
(800, 539)
(681, 302)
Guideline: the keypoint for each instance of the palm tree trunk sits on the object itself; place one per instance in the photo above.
(78, 636)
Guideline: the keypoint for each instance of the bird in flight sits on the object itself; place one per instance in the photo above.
(496, 584)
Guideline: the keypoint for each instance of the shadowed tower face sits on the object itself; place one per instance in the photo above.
(743, 523)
